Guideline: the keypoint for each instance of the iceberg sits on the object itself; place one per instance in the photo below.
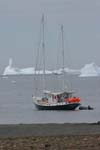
(9, 70)
(57, 72)
(66, 70)
(27, 71)
(41, 72)
(90, 70)
(72, 71)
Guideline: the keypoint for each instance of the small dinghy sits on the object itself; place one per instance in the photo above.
(86, 107)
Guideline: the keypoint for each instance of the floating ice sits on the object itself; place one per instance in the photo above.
(90, 70)
(72, 71)
(29, 70)
(9, 70)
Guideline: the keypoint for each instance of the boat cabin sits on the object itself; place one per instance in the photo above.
(57, 96)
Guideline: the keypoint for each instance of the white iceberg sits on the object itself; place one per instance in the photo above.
(9, 70)
(41, 72)
(72, 71)
(27, 71)
(66, 70)
(57, 72)
(90, 70)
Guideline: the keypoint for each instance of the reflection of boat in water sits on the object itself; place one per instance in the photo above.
(55, 100)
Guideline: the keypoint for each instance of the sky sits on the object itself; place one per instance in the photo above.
(20, 28)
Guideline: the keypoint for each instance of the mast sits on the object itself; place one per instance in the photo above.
(43, 52)
(63, 61)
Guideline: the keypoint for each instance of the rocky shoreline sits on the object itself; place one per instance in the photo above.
(50, 136)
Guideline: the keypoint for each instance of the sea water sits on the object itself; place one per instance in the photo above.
(16, 104)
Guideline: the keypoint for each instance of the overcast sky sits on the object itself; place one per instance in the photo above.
(20, 25)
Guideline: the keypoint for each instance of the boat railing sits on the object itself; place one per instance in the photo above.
(57, 104)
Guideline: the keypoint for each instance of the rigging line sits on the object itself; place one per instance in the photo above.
(58, 51)
(63, 60)
(70, 77)
(69, 62)
(37, 59)
(38, 49)
(57, 66)
(43, 50)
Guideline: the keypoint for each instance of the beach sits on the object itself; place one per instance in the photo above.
(50, 136)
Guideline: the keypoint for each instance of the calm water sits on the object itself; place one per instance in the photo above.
(16, 99)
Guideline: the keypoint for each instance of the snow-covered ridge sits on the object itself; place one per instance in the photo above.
(89, 70)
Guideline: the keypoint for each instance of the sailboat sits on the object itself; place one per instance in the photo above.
(63, 100)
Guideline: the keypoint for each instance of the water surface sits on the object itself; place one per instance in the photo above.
(16, 104)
